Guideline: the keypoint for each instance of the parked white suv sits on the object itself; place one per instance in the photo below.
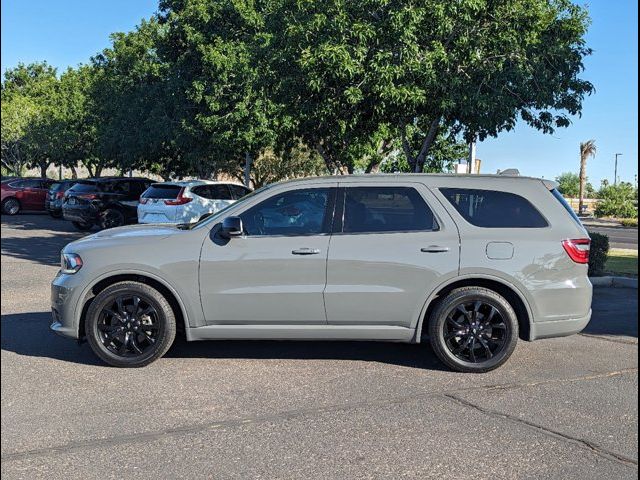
(186, 202)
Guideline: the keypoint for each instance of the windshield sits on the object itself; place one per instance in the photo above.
(219, 213)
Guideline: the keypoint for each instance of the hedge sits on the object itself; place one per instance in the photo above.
(598, 253)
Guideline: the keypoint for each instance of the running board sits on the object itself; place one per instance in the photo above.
(301, 332)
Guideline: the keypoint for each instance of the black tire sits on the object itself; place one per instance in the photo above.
(83, 227)
(111, 218)
(112, 337)
(11, 206)
(473, 330)
(55, 214)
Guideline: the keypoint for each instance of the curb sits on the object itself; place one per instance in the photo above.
(614, 282)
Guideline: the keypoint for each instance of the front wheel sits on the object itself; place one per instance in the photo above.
(473, 329)
(130, 324)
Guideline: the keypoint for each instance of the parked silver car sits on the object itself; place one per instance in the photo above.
(470, 263)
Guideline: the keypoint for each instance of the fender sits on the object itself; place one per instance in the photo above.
(112, 273)
(469, 276)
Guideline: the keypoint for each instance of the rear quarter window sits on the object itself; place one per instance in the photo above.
(494, 209)
(85, 187)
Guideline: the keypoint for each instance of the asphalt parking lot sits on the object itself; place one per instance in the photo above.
(560, 408)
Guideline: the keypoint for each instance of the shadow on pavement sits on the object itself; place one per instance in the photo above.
(615, 312)
(44, 249)
(28, 334)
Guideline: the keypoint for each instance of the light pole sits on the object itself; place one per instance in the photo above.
(615, 172)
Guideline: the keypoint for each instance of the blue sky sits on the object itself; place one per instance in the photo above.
(66, 33)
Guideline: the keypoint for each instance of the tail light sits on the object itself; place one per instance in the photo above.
(577, 249)
(59, 194)
(88, 196)
(143, 200)
(180, 199)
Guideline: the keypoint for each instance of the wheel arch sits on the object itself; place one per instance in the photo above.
(142, 277)
(513, 295)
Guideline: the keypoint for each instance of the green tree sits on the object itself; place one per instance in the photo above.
(224, 113)
(569, 186)
(348, 70)
(31, 94)
(618, 201)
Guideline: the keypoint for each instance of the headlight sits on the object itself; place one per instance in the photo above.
(70, 263)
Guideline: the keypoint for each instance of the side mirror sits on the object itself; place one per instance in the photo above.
(231, 227)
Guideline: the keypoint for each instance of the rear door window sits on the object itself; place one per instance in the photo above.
(213, 192)
(494, 209)
(386, 209)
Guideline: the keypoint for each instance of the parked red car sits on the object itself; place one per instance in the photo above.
(24, 194)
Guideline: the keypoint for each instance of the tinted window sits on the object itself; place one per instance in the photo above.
(386, 209)
(493, 209)
(238, 191)
(219, 192)
(566, 206)
(297, 212)
(27, 184)
(160, 190)
(84, 187)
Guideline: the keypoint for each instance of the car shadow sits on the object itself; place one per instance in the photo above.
(44, 249)
(28, 334)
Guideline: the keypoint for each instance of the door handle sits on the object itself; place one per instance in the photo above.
(306, 251)
(434, 249)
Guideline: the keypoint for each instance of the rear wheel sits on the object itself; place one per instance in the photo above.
(130, 324)
(55, 214)
(83, 227)
(11, 206)
(111, 218)
(473, 329)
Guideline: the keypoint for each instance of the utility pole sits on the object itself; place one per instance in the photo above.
(471, 162)
(615, 172)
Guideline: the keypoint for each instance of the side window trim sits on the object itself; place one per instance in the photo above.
(328, 221)
(338, 223)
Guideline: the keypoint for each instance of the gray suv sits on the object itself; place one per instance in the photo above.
(469, 263)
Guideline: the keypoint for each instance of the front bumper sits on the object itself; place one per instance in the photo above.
(65, 296)
(559, 328)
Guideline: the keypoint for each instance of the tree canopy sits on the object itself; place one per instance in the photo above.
(367, 85)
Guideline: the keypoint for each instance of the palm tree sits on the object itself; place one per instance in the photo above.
(587, 149)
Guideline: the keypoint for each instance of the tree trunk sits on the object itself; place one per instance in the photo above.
(43, 169)
(426, 144)
(74, 172)
(583, 181)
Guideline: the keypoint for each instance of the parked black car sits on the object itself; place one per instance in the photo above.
(53, 201)
(106, 202)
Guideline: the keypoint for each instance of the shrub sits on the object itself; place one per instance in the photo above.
(598, 253)
(629, 222)
(618, 201)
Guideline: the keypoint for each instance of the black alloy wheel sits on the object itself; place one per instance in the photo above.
(473, 329)
(111, 218)
(130, 324)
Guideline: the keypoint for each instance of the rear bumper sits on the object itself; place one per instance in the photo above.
(559, 328)
(82, 214)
